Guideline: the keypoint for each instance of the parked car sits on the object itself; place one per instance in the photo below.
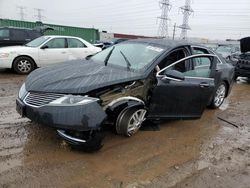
(43, 51)
(227, 50)
(124, 85)
(106, 44)
(11, 36)
(241, 61)
(103, 44)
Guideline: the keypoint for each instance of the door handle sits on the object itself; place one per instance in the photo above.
(63, 52)
(204, 84)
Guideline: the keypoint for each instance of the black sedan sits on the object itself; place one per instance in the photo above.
(124, 85)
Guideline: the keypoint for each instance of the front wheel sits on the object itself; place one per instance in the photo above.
(130, 120)
(23, 65)
(219, 96)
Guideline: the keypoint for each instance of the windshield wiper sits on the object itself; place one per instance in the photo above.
(126, 59)
(108, 56)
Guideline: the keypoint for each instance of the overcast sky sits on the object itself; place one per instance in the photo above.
(214, 19)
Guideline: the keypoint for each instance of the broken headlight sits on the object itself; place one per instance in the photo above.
(22, 91)
(73, 100)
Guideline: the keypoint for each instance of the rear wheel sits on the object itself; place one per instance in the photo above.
(219, 96)
(23, 65)
(130, 120)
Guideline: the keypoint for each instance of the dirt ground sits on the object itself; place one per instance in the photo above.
(194, 153)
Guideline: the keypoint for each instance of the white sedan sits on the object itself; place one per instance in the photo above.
(43, 51)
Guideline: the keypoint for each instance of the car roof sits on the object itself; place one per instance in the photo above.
(61, 36)
(163, 42)
(21, 28)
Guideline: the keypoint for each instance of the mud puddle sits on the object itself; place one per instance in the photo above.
(196, 153)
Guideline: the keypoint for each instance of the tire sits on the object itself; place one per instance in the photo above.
(93, 140)
(23, 65)
(130, 120)
(219, 96)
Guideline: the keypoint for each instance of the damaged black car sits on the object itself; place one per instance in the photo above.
(124, 86)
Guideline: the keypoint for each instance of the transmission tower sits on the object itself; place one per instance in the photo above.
(39, 15)
(164, 18)
(21, 12)
(186, 11)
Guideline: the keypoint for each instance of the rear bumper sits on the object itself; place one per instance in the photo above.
(78, 118)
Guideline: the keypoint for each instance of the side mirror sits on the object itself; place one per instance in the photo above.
(44, 47)
(174, 75)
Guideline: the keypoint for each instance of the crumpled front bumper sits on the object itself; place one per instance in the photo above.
(79, 118)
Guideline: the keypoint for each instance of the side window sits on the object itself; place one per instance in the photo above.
(172, 57)
(200, 62)
(190, 70)
(56, 43)
(4, 33)
(75, 43)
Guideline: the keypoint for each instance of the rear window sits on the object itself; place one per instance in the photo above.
(4, 33)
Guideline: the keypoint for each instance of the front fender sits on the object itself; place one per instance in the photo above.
(117, 105)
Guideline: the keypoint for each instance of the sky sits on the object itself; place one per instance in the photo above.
(212, 19)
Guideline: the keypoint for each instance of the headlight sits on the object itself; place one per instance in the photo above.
(3, 55)
(22, 91)
(73, 100)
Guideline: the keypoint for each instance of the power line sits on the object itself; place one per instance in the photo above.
(39, 15)
(164, 18)
(186, 11)
(21, 12)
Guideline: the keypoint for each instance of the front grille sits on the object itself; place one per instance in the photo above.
(39, 99)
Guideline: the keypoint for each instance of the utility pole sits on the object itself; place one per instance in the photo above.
(186, 11)
(164, 18)
(21, 12)
(174, 30)
(39, 15)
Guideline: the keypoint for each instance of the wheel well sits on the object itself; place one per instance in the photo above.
(114, 111)
(24, 56)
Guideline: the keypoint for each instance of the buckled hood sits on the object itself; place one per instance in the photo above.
(77, 77)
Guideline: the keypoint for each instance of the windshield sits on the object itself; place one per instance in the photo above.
(37, 42)
(4, 33)
(133, 56)
(224, 49)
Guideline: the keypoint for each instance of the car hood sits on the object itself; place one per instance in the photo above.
(245, 45)
(14, 48)
(77, 77)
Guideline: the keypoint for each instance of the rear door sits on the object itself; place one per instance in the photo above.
(187, 97)
(77, 49)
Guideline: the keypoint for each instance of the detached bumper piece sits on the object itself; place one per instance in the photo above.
(88, 141)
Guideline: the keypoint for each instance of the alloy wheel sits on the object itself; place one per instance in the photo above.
(220, 95)
(24, 66)
(136, 121)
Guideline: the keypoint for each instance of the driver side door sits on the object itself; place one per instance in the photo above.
(184, 88)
